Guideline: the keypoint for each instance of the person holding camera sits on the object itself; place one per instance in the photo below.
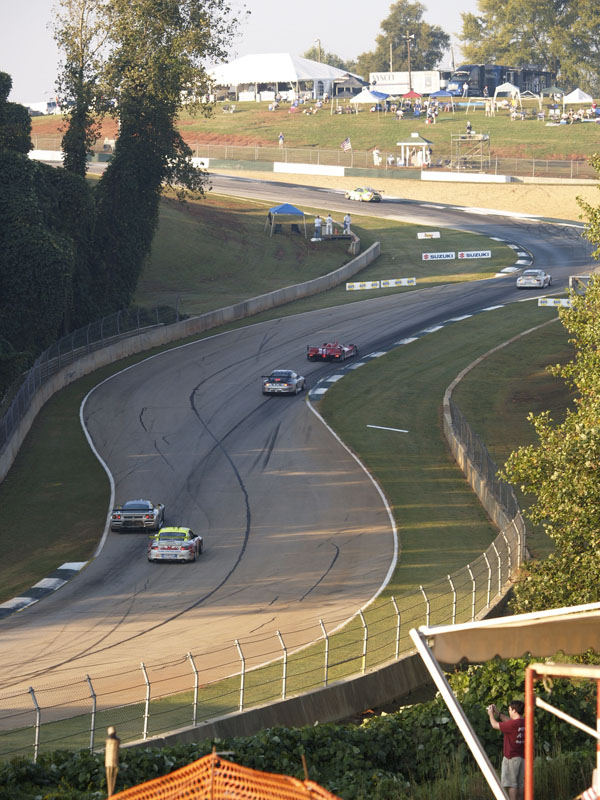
(512, 726)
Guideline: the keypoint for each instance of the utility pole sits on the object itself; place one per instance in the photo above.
(391, 63)
(319, 51)
(408, 37)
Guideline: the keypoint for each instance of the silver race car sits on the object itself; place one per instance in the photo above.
(282, 381)
(138, 515)
(175, 544)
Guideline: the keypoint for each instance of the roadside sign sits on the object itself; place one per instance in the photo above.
(438, 256)
(475, 254)
(554, 301)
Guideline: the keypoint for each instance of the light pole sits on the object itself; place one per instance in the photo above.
(319, 51)
(408, 37)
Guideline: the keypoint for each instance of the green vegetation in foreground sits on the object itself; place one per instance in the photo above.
(215, 252)
(254, 124)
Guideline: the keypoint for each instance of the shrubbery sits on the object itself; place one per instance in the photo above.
(388, 756)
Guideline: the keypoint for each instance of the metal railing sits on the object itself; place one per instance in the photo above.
(255, 670)
(534, 167)
(74, 346)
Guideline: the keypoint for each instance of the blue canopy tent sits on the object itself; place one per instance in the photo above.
(287, 210)
(444, 94)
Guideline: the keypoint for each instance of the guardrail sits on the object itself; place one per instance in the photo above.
(532, 167)
(264, 669)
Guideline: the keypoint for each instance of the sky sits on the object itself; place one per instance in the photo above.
(344, 27)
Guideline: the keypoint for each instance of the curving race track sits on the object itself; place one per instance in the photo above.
(294, 529)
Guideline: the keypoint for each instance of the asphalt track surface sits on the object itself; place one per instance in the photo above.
(294, 530)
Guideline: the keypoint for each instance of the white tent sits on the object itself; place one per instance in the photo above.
(508, 88)
(369, 96)
(274, 68)
(577, 96)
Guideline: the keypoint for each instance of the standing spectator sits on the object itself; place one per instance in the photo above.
(513, 746)
(485, 91)
(318, 227)
(469, 128)
(347, 221)
(281, 138)
(465, 89)
(329, 225)
(376, 157)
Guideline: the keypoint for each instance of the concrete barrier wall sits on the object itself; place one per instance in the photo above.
(162, 335)
(464, 177)
(394, 682)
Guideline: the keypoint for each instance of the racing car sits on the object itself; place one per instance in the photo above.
(282, 381)
(364, 194)
(331, 351)
(138, 515)
(175, 544)
(534, 279)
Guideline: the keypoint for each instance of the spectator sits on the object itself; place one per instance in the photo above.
(318, 223)
(513, 746)
(329, 225)
(377, 157)
(469, 128)
(347, 221)
(281, 139)
(465, 88)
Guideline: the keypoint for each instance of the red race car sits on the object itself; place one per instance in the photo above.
(331, 351)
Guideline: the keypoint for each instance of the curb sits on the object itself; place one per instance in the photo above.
(46, 586)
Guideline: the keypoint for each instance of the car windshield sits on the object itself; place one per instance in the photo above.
(172, 537)
(531, 273)
(133, 506)
(280, 376)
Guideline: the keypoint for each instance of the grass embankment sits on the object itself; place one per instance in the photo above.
(254, 124)
(59, 503)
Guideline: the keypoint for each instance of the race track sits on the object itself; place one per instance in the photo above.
(294, 529)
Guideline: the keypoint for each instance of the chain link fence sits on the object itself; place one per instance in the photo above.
(524, 167)
(200, 686)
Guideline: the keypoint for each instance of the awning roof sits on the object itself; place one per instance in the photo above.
(544, 633)
(577, 96)
(369, 96)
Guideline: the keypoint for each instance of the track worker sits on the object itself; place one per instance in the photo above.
(513, 748)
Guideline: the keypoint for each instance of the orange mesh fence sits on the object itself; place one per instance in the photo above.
(213, 778)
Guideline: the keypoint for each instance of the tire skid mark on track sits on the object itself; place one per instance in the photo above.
(324, 575)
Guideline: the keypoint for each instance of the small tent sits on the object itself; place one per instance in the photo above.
(415, 151)
(369, 96)
(577, 96)
(412, 95)
(284, 210)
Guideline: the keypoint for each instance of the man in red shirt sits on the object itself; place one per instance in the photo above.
(513, 748)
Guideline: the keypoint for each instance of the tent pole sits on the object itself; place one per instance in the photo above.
(464, 726)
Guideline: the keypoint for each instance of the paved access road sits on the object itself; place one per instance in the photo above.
(294, 530)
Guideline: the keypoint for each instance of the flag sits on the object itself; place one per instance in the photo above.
(345, 145)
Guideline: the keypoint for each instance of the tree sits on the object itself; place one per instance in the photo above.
(555, 34)
(81, 34)
(317, 54)
(426, 49)
(561, 472)
(157, 53)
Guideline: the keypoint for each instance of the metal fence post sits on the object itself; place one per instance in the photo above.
(365, 640)
(428, 607)
(326, 637)
(38, 714)
(147, 703)
(195, 708)
(396, 609)
(93, 719)
(102, 331)
(118, 326)
(453, 599)
(508, 553)
(499, 566)
(489, 585)
(242, 674)
(474, 592)
(285, 661)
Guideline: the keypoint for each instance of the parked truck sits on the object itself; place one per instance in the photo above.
(483, 79)
(398, 83)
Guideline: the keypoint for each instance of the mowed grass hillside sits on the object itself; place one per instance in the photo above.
(254, 125)
(214, 252)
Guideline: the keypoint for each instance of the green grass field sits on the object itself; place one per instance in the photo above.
(253, 124)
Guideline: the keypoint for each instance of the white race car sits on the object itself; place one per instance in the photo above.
(534, 279)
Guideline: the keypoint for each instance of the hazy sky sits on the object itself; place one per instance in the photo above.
(345, 27)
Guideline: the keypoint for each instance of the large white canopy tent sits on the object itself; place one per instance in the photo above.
(508, 88)
(277, 68)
